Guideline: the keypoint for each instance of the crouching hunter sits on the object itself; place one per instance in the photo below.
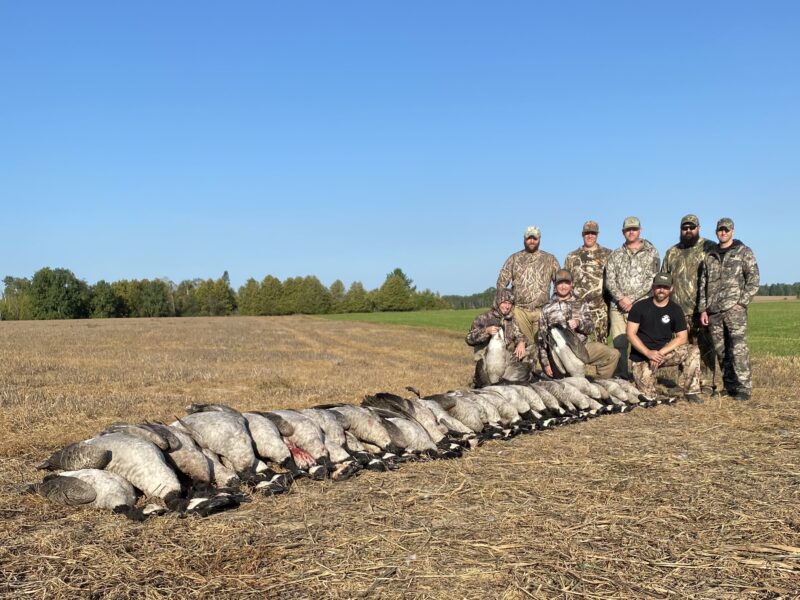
(499, 320)
(659, 337)
(566, 310)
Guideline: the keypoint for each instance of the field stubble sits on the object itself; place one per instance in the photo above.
(673, 502)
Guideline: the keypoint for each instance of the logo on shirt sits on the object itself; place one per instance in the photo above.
(665, 319)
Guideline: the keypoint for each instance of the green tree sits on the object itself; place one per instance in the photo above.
(16, 302)
(248, 298)
(271, 296)
(58, 294)
(428, 300)
(105, 303)
(337, 293)
(357, 299)
(186, 303)
(215, 297)
(395, 294)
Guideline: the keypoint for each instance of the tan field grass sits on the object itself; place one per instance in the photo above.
(690, 501)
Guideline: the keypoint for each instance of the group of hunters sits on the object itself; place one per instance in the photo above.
(687, 311)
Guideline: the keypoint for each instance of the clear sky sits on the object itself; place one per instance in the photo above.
(344, 139)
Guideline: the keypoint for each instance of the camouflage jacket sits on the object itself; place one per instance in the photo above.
(558, 312)
(479, 337)
(587, 268)
(531, 274)
(727, 279)
(683, 263)
(630, 273)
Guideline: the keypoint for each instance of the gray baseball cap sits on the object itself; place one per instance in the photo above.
(631, 223)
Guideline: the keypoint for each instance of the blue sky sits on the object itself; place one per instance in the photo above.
(345, 139)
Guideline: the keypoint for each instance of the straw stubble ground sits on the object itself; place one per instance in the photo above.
(672, 502)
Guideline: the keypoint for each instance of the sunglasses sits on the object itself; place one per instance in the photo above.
(688, 227)
(725, 229)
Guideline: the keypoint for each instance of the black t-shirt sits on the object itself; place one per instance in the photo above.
(657, 325)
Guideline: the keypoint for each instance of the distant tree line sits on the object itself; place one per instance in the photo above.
(780, 289)
(59, 294)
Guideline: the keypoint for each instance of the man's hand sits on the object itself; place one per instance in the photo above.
(625, 304)
(655, 357)
(519, 351)
(492, 329)
(548, 371)
(704, 319)
(573, 323)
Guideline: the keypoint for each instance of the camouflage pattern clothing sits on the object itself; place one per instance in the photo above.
(686, 357)
(479, 338)
(587, 267)
(630, 272)
(684, 264)
(729, 279)
(558, 312)
(531, 274)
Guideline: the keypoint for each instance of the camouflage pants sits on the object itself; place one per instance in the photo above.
(618, 326)
(599, 312)
(701, 337)
(728, 331)
(686, 357)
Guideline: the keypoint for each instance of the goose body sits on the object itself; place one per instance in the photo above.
(496, 358)
(226, 434)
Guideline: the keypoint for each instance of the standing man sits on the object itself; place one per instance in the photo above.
(658, 335)
(683, 261)
(530, 271)
(629, 275)
(729, 279)
(573, 313)
(587, 264)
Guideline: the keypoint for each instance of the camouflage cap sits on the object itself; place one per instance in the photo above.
(631, 223)
(533, 232)
(563, 275)
(662, 279)
(725, 222)
(690, 220)
(590, 227)
(504, 295)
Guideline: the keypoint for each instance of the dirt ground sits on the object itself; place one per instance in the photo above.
(688, 501)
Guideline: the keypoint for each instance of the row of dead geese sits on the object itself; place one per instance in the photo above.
(205, 461)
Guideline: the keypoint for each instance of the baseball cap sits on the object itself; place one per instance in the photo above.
(690, 220)
(533, 231)
(590, 227)
(662, 279)
(725, 222)
(563, 275)
(631, 223)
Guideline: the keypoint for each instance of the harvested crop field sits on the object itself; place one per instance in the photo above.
(688, 501)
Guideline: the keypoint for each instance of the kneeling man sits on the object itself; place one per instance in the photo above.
(499, 318)
(659, 337)
(566, 310)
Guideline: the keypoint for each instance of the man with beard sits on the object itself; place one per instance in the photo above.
(485, 326)
(658, 335)
(530, 271)
(629, 273)
(729, 279)
(683, 262)
(567, 310)
(587, 265)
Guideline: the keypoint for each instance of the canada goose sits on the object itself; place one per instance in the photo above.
(630, 390)
(618, 395)
(568, 352)
(79, 455)
(226, 434)
(334, 436)
(364, 425)
(496, 358)
(164, 440)
(142, 463)
(460, 407)
(529, 395)
(184, 453)
(269, 442)
(304, 434)
(511, 395)
(91, 487)
(411, 409)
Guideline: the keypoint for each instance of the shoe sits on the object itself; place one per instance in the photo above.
(742, 396)
(694, 398)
